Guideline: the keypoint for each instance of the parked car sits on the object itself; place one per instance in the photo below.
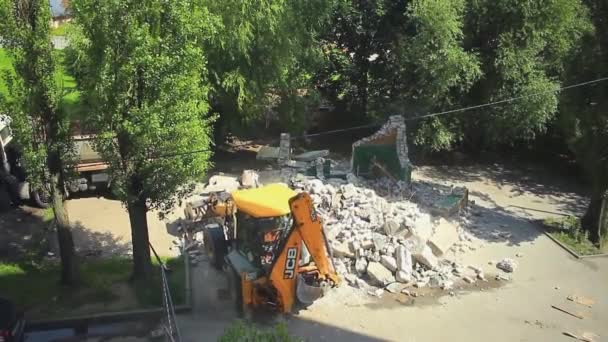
(12, 324)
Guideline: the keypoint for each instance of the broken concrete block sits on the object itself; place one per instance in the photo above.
(507, 265)
(395, 287)
(376, 293)
(311, 155)
(444, 237)
(361, 266)
(404, 259)
(340, 267)
(394, 228)
(468, 279)
(360, 283)
(354, 246)
(426, 257)
(316, 186)
(447, 285)
(423, 227)
(268, 153)
(250, 179)
(379, 274)
(403, 277)
(342, 250)
(367, 244)
(415, 244)
(351, 279)
(389, 262)
(379, 241)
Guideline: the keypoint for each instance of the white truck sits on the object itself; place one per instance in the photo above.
(14, 187)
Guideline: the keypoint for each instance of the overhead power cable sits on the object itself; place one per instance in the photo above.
(170, 155)
(506, 100)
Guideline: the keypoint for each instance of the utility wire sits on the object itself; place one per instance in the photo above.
(506, 100)
(170, 155)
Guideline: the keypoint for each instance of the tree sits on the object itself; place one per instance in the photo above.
(584, 117)
(395, 56)
(43, 128)
(142, 71)
(261, 59)
(523, 47)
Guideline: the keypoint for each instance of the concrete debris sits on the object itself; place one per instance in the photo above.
(426, 257)
(376, 293)
(445, 235)
(447, 285)
(507, 265)
(481, 276)
(403, 277)
(405, 292)
(468, 279)
(519, 255)
(389, 262)
(395, 287)
(361, 266)
(502, 277)
(342, 250)
(379, 274)
(476, 269)
(250, 179)
(378, 236)
(361, 284)
(404, 259)
(351, 279)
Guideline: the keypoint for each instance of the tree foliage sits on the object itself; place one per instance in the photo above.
(142, 69)
(396, 56)
(261, 56)
(42, 127)
(584, 114)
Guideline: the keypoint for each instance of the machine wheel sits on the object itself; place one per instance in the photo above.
(40, 198)
(215, 246)
(235, 286)
(5, 197)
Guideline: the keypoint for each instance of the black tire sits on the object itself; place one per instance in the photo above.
(236, 289)
(215, 246)
(5, 197)
(40, 198)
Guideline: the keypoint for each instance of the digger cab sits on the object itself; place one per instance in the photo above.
(253, 226)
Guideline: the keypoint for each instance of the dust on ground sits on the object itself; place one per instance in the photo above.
(502, 207)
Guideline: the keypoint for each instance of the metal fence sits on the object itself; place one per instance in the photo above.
(168, 319)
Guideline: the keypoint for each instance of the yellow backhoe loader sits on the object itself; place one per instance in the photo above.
(271, 239)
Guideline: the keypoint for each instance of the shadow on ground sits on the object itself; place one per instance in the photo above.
(89, 243)
(517, 180)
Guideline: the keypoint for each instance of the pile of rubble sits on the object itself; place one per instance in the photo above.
(377, 242)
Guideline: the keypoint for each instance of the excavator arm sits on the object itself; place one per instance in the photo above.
(286, 275)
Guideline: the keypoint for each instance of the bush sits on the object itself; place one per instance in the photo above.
(569, 231)
(245, 332)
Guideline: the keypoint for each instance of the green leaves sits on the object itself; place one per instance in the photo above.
(143, 66)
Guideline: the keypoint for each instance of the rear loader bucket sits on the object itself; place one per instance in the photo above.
(307, 294)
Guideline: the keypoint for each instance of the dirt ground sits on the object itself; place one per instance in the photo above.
(505, 202)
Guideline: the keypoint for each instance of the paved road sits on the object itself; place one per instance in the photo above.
(519, 310)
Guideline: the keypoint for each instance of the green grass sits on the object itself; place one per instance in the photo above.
(568, 230)
(60, 30)
(35, 288)
(241, 331)
(70, 101)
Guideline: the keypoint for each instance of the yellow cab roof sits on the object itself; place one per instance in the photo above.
(268, 201)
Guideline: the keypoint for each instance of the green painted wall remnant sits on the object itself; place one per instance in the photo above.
(387, 148)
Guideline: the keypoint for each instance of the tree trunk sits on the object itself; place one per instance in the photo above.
(595, 220)
(139, 235)
(69, 264)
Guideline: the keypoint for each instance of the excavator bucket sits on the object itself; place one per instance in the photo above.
(307, 294)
